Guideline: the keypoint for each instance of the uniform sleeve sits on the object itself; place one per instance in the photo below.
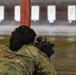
(45, 66)
(42, 63)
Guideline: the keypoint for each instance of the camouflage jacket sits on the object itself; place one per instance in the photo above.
(24, 62)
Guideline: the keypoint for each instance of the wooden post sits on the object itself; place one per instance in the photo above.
(25, 13)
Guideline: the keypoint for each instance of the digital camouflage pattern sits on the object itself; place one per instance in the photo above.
(24, 62)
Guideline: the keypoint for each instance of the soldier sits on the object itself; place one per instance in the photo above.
(22, 57)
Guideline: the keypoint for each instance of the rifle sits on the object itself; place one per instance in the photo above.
(45, 46)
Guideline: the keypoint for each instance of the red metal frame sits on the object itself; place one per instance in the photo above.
(25, 13)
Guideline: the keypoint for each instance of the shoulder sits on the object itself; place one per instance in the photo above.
(29, 47)
(32, 47)
(2, 47)
(29, 50)
(4, 50)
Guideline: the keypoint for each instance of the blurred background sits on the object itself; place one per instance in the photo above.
(53, 19)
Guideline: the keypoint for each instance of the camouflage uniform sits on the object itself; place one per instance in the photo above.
(24, 62)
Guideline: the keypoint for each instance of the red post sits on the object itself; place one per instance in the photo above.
(25, 13)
